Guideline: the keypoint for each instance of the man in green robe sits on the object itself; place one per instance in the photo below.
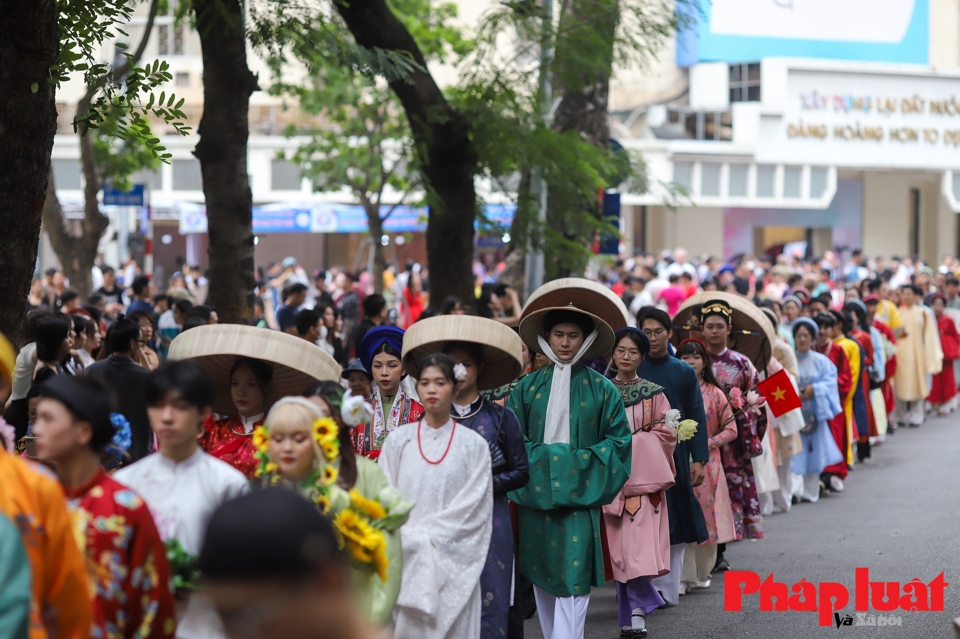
(578, 443)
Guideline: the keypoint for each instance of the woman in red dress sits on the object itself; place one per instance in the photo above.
(230, 438)
(943, 391)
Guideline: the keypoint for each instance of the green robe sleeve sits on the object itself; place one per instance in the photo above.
(594, 466)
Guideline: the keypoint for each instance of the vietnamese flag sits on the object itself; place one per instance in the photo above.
(778, 391)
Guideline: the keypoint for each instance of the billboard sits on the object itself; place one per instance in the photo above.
(839, 114)
(749, 30)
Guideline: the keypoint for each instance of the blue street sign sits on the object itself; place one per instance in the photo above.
(115, 197)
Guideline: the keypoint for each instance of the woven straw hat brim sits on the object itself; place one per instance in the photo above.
(296, 363)
(531, 327)
(584, 294)
(752, 333)
(502, 348)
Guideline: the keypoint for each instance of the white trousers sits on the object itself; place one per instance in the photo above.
(561, 617)
(807, 487)
(782, 497)
(669, 584)
(909, 412)
(698, 561)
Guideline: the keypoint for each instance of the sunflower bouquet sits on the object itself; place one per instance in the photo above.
(361, 523)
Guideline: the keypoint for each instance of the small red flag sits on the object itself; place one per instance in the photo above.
(779, 393)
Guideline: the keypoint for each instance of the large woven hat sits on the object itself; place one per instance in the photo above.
(297, 364)
(502, 348)
(752, 335)
(596, 299)
(531, 327)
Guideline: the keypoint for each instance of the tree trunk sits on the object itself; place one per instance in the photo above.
(222, 151)
(449, 161)
(77, 254)
(583, 66)
(29, 46)
(375, 224)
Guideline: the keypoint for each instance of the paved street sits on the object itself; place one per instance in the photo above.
(899, 516)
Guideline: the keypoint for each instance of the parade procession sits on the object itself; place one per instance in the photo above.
(453, 480)
(479, 319)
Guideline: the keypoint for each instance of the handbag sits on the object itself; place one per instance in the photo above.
(874, 376)
(809, 421)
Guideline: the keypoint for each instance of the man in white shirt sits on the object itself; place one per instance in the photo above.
(181, 484)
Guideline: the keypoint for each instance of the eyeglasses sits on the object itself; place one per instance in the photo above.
(622, 352)
(660, 332)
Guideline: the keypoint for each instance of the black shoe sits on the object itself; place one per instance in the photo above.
(721, 565)
(914, 425)
(633, 633)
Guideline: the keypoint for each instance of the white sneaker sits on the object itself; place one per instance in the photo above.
(683, 588)
(703, 583)
(836, 484)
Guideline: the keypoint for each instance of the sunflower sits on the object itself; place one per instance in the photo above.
(323, 501)
(381, 562)
(261, 438)
(331, 449)
(329, 475)
(362, 541)
(369, 507)
(324, 430)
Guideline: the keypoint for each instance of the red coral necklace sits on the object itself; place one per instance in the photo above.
(449, 443)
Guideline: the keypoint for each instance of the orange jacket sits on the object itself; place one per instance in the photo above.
(34, 502)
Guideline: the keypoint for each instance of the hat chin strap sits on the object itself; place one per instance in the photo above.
(556, 428)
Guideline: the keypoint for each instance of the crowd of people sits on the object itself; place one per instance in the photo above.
(355, 463)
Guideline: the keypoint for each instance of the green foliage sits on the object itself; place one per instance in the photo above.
(502, 96)
(364, 135)
(119, 102)
(117, 157)
(364, 143)
(183, 566)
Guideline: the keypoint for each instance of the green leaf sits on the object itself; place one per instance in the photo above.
(34, 87)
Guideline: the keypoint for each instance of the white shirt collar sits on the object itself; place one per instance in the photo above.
(248, 422)
(184, 463)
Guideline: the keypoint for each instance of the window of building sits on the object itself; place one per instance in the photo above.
(67, 174)
(169, 40)
(284, 176)
(152, 179)
(745, 82)
(710, 179)
(683, 174)
(187, 176)
(163, 39)
(791, 181)
(818, 182)
(178, 40)
(182, 79)
(701, 125)
(737, 183)
(766, 174)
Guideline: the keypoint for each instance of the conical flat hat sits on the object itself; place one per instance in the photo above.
(531, 327)
(752, 333)
(297, 364)
(591, 297)
(502, 348)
